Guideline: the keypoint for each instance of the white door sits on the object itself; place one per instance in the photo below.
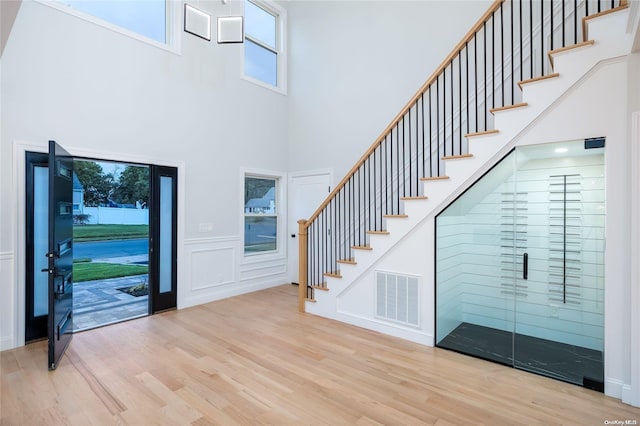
(306, 192)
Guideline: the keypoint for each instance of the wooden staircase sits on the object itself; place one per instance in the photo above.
(537, 95)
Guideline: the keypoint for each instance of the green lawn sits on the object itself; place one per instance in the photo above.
(109, 232)
(102, 271)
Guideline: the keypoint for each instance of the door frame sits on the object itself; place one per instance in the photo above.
(292, 269)
(20, 148)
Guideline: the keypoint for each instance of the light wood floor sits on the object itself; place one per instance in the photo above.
(254, 359)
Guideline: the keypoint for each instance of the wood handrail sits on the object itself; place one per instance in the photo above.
(478, 25)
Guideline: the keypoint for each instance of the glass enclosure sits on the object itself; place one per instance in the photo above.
(520, 264)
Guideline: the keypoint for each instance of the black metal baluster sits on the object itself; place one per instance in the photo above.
(430, 135)
(438, 124)
(404, 159)
(475, 75)
(551, 23)
(521, 51)
(357, 216)
(410, 157)
(486, 96)
(513, 59)
(502, 52)
(466, 63)
(460, 102)
(397, 197)
(424, 171)
(541, 37)
(391, 170)
(452, 114)
(386, 177)
(375, 193)
(493, 61)
(563, 24)
(531, 38)
(444, 111)
(575, 21)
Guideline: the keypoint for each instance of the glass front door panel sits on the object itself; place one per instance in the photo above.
(166, 234)
(40, 241)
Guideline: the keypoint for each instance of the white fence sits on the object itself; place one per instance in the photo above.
(116, 216)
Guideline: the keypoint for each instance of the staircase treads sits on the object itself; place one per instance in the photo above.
(483, 133)
(350, 261)
(428, 178)
(585, 27)
(508, 107)
(318, 287)
(374, 232)
(395, 216)
(419, 197)
(564, 49)
(307, 299)
(457, 157)
(335, 274)
(362, 247)
(533, 80)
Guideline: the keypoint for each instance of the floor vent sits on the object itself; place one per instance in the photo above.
(397, 298)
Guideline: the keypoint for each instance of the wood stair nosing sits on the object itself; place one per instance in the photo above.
(457, 157)
(335, 274)
(317, 287)
(308, 299)
(483, 133)
(395, 216)
(508, 107)
(417, 197)
(566, 48)
(430, 178)
(350, 261)
(362, 247)
(374, 232)
(535, 79)
(585, 19)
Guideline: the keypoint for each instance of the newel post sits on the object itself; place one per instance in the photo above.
(302, 264)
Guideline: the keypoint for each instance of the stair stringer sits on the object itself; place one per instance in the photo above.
(572, 65)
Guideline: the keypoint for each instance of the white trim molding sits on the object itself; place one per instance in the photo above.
(7, 313)
(631, 391)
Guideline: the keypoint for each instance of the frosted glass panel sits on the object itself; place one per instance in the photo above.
(166, 234)
(40, 240)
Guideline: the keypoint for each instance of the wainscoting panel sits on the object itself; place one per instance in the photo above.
(7, 302)
(213, 269)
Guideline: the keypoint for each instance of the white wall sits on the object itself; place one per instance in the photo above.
(355, 65)
(100, 93)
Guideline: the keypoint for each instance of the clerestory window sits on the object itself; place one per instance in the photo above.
(264, 46)
(148, 20)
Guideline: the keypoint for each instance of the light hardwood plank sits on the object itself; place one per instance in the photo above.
(254, 359)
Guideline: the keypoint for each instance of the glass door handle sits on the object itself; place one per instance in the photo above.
(525, 266)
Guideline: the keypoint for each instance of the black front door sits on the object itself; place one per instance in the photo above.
(60, 253)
